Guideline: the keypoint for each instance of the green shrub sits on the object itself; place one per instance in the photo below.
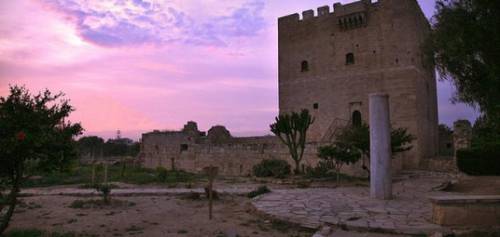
(272, 168)
(483, 160)
(105, 190)
(259, 191)
(322, 170)
(162, 174)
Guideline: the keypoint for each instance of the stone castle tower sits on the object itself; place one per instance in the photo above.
(330, 62)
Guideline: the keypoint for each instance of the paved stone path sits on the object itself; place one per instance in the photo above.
(409, 212)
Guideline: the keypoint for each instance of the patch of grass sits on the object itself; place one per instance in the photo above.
(303, 184)
(95, 186)
(83, 175)
(41, 233)
(259, 191)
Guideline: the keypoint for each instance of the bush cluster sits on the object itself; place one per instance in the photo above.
(173, 176)
(272, 168)
(484, 160)
(162, 174)
(321, 170)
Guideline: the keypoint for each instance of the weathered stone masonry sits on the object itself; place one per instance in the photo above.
(331, 62)
(191, 150)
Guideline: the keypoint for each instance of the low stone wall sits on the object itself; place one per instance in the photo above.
(234, 159)
(440, 164)
(238, 159)
(466, 210)
(191, 151)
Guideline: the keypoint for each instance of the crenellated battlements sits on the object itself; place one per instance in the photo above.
(340, 10)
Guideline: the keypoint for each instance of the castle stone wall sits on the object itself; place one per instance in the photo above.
(234, 157)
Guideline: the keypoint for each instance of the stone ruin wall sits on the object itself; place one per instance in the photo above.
(459, 138)
(235, 156)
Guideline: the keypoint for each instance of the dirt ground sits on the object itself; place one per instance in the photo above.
(179, 216)
(150, 216)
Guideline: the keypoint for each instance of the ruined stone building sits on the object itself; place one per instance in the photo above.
(330, 60)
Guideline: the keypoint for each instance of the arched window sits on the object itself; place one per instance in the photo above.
(349, 59)
(304, 66)
(356, 119)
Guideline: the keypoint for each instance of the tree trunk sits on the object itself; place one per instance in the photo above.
(337, 170)
(297, 166)
(12, 201)
(338, 177)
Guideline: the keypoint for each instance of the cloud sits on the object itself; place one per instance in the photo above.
(121, 23)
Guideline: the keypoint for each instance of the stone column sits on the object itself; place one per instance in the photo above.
(380, 147)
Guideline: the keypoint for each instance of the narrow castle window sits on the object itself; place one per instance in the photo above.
(356, 119)
(184, 147)
(349, 59)
(316, 106)
(304, 66)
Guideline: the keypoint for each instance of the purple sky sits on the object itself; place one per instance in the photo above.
(139, 65)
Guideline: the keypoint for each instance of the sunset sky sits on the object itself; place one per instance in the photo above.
(139, 65)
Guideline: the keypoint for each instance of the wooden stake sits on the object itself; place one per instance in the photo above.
(105, 173)
(211, 172)
(210, 198)
(93, 173)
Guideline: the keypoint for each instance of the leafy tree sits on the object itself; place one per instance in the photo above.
(485, 133)
(32, 129)
(291, 129)
(337, 155)
(359, 137)
(114, 148)
(90, 145)
(134, 149)
(64, 150)
(465, 46)
(121, 147)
